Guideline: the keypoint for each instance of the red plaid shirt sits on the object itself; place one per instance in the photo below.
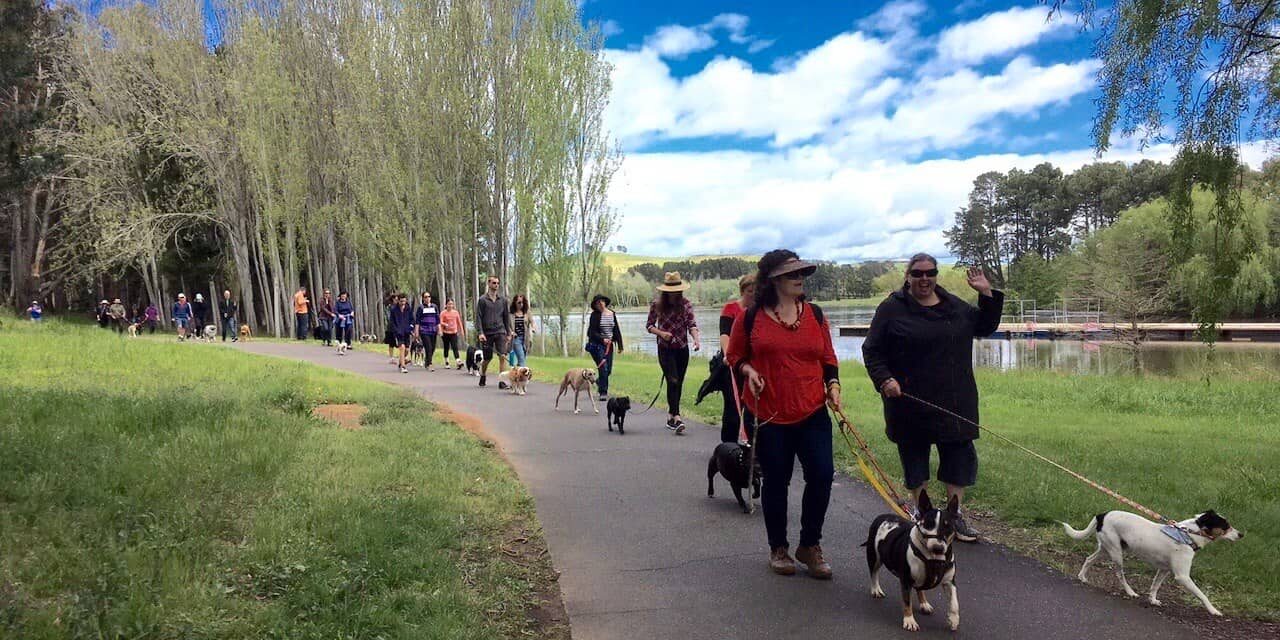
(679, 322)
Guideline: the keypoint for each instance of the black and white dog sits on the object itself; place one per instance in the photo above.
(732, 460)
(475, 357)
(616, 413)
(1169, 553)
(919, 553)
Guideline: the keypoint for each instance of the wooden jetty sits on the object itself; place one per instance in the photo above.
(1155, 331)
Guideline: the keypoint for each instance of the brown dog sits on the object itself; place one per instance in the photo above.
(516, 378)
(245, 332)
(579, 380)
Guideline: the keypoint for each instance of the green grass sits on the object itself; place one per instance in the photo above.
(150, 489)
(1178, 446)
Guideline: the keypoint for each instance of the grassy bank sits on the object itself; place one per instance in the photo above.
(1178, 446)
(162, 490)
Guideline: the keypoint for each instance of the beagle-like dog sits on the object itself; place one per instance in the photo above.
(579, 380)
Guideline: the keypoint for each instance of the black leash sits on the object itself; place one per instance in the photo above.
(654, 401)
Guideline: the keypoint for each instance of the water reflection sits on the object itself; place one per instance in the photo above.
(1073, 356)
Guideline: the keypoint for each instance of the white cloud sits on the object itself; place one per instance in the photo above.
(610, 28)
(896, 16)
(678, 41)
(808, 199)
(997, 33)
(728, 97)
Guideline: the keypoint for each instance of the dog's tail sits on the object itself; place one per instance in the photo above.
(1094, 524)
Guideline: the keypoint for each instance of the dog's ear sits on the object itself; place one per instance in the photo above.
(925, 503)
(953, 505)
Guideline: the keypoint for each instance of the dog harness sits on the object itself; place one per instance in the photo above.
(1178, 534)
(934, 569)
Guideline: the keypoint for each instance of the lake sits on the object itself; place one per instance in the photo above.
(1074, 356)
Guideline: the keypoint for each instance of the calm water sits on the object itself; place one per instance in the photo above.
(1168, 358)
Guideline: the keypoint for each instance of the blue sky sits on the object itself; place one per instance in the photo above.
(847, 131)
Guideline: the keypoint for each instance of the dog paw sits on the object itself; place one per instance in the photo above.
(1083, 578)
(877, 592)
(953, 621)
(1155, 603)
(1129, 593)
(910, 624)
(576, 412)
(1215, 612)
(597, 412)
(926, 609)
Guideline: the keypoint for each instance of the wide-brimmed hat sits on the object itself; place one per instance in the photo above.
(598, 298)
(672, 283)
(806, 269)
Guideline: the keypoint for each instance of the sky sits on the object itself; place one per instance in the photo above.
(846, 131)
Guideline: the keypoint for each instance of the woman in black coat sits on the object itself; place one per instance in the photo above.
(921, 343)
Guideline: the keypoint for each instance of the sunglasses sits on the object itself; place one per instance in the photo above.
(794, 275)
(923, 273)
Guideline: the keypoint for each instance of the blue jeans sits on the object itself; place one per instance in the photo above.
(300, 326)
(778, 447)
(517, 357)
(228, 329)
(598, 354)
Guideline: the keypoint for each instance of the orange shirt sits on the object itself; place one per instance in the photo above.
(790, 361)
(299, 302)
(450, 321)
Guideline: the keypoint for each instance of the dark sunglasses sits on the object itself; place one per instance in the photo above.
(921, 273)
(794, 275)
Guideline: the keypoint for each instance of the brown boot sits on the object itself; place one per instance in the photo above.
(814, 562)
(781, 563)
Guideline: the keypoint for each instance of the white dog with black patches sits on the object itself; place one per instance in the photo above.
(1169, 551)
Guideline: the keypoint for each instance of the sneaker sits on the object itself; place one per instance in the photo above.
(393, 361)
(964, 533)
(812, 559)
(482, 381)
(403, 370)
(671, 424)
(604, 397)
(781, 563)
(679, 428)
(430, 368)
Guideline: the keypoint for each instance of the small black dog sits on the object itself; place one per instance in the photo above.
(475, 355)
(615, 412)
(732, 460)
(920, 554)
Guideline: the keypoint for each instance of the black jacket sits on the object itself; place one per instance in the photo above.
(228, 309)
(199, 311)
(594, 335)
(929, 351)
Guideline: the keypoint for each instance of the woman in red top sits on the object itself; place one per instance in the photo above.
(729, 426)
(791, 371)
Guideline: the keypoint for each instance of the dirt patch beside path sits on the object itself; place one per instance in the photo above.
(346, 415)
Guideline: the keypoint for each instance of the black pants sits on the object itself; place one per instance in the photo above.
(344, 333)
(429, 346)
(729, 425)
(674, 363)
(450, 341)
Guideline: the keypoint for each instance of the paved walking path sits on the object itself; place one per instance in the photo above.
(643, 553)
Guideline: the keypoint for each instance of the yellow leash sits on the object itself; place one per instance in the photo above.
(870, 467)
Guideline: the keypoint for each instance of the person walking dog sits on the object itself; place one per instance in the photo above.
(344, 320)
(181, 314)
(921, 343)
(729, 425)
(782, 346)
(325, 315)
(228, 311)
(426, 325)
(604, 338)
(493, 324)
(400, 323)
(671, 320)
(521, 327)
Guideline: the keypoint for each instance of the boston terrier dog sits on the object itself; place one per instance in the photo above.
(616, 412)
(919, 553)
(732, 460)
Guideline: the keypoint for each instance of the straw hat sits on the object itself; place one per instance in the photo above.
(672, 283)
